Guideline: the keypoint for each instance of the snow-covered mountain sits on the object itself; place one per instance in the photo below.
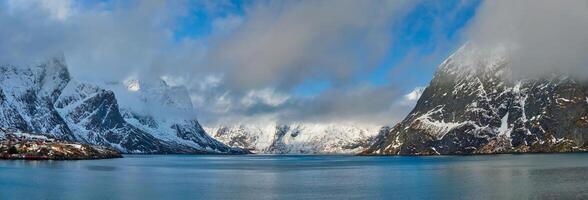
(273, 138)
(166, 112)
(44, 99)
(27, 96)
(473, 105)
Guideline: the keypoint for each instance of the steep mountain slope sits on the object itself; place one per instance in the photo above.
(27, 96)
(474, 106)
(166, 113)
(43, 99)
(93, 115)
(296, 138)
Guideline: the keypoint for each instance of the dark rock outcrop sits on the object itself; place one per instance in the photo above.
(473, 105)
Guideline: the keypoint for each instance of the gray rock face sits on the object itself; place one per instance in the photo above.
(278, 145)
(165, 112)
(27, 96)
(45, 100)
(473, 106)
(92, 113)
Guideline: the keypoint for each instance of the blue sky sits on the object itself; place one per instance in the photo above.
(197, 23)
(423, 39)
(431, 31)
(298, 60)
(340, 61)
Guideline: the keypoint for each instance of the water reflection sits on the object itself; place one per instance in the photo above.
(299, 177)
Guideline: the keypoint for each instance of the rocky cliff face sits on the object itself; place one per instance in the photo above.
(296, 138)
(166, 113)
(27, 97)
(45, 100)
(93, 115)
(474, 106)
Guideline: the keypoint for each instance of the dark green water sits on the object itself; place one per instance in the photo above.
(548, 176)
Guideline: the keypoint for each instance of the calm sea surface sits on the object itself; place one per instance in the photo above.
(547, 176)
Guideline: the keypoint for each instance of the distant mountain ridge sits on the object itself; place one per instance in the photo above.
(297, 138)
(44, 99)
(473, 105)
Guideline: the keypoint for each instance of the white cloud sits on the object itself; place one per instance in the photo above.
(226, 25)
(266, 96)
(543, 36)
(55, 9)
(414, 95)
(283, 43)
(210, 82)
(248, 67)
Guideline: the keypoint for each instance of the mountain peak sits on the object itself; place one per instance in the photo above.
(132, 85)
(43, 99)
(472, 58)
(55, 75)
(158, 92)
(473, 106)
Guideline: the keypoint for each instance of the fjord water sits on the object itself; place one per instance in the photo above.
(299, 177)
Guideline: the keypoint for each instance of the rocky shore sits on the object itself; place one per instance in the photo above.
(23, 146)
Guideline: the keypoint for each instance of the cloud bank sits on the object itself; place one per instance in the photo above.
(247, 65)
(100, 41)
(277, 46)
(257, 60)
(543, 36)
(284, 43)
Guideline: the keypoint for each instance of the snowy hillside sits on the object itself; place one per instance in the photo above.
(165, 112)
(273, 138)
(27, 95)
(474, 106)
(44, 99)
